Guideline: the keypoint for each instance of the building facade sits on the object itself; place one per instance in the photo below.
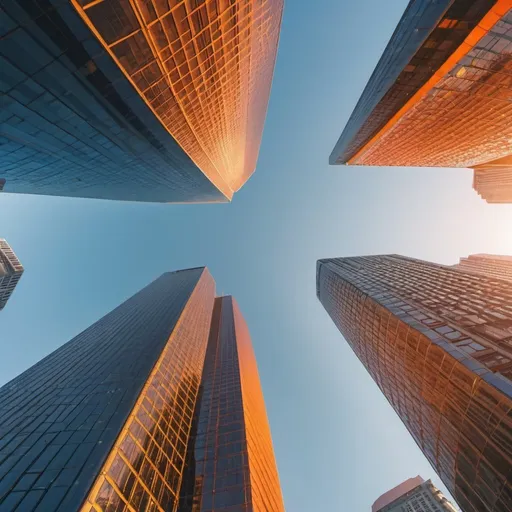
(135, 100)
(396, 492)
(440, 95)
(10, 272)
(436, 340)
(489, 265)
(232, 465)
(109, 420)
(413, 495)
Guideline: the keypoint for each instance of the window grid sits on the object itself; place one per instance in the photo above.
(203, 66)
(450, 403)
(476, 92)
(407, 64)
(144, 468)
(231, 459)
(60, 418)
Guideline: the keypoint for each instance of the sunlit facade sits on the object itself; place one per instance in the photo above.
(440, 95)
(109, 421)
(413, 495)
(10, 272)
(231, 459)
(436, 340)
(135, 100)
(395, 493)
(490, 265)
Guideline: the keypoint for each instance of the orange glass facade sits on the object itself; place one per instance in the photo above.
(493, 180)
(263, 476)
(196, 444)
(204, 67)
(450, 102)
(144, 469)
(231, 460)
(436, 340)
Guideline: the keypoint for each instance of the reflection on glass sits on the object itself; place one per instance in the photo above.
(410, 323)
(205, 69)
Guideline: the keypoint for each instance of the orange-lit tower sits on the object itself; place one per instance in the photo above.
(231, 463)
(440, 95)
(437, 341)
(136, 99)
(156, 407)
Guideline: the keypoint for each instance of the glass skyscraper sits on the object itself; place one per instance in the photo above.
(440, 95)
(10, 272)
(231, 463)
(132, 99)
(154, 407)
(437, 341)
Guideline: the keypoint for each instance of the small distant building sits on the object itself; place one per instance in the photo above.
(10, 272)
(413, 495)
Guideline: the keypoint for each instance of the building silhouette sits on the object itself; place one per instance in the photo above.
(155, 404)
(413, 495)
(436, 340)
(135, 100)
(440, 96)
(10, 272)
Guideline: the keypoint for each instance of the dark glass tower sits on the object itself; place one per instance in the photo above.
(106, 422)
(437, 341)
(136, 100)
(440, 95)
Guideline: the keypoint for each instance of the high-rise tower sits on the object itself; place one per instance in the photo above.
(231, 459)
(440, 95)
(10, 272)
(488, 265)
(414, 495)
(135, 100)
(437, 341)
(110, 420)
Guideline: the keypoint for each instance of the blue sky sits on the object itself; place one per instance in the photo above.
(338, 443)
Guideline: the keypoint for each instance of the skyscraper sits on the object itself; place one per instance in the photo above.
(488, 265)
(413, 495)
(10, 272)
(231, 456)
(440, 95)
(436, 340)
(135, 100)
(119, 417)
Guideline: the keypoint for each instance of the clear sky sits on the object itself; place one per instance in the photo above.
(338, 443)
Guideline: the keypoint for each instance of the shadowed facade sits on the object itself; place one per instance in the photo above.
(135, 100)
(440, 95)
(436, 340)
